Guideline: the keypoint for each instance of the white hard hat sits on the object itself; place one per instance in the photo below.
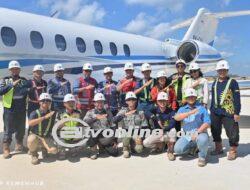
(87, 66)
(14, 64)
(128, 66)
(107, 70)
(223, 64)
(45, 96)
(162, 96)
(99, 97)
(58, 67)
(146, 67)
(180, 61)
(69, 98)
(161, 74)
(190, 92)
(38, 68)
(130, 95)
(194, 66)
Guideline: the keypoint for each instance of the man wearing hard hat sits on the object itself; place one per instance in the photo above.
(84, 88)
(58, 87)
(100, 118)
(162, 118)
(179, 80)
(39, 86)
(225, 110)
(131, 118)
(144, 87)
(196, 121)
(70, 112)
(40, 123)
(128, 83)
(108, 88)
(14, 90)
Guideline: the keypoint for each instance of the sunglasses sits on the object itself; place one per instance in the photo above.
(180, 66)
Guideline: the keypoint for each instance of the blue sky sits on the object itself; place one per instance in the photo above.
(153, 18)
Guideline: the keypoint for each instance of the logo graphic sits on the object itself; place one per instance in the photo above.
(73, 132)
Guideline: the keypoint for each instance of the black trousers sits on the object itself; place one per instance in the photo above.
(231, 127)
(14, 122)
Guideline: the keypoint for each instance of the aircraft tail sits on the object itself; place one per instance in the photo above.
(204, 25)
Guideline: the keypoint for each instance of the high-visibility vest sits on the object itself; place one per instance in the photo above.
(85, 98)
(70, 123)
(146, 94)
(40, 125)
(175, 83)
(226, 100)
(7, 98)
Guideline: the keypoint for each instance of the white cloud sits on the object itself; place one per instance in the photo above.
(222, 40)
(90, 14)
(159, 31)
(148, 26)
(225, 2)
(226, 54)
(224, 43)
(138, 25)
(171, 5)
(77, 10)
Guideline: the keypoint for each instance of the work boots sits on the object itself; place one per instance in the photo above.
(170, 151)
(6, 151)
(218, 149)
(126, 152)
(232, 154)
(19, 147)
(94, 153)
(34, 158)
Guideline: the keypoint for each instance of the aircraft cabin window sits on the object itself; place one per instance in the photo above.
(81, 45)
(113, 48)
(126, 50)
(60, 42)
(8, 36)
(36, 39)
(98, 47)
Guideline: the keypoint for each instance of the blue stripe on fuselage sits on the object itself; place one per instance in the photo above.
(30, 62)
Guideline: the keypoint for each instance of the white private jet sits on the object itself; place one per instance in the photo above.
(34, 39)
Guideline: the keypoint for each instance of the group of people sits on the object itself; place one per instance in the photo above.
(169, 104)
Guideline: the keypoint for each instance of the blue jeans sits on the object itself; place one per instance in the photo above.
(183, 146)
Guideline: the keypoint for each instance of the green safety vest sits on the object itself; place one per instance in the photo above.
(146, 94)
(40, 125)
(184, 80)
(7, 98)
(70, 123)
